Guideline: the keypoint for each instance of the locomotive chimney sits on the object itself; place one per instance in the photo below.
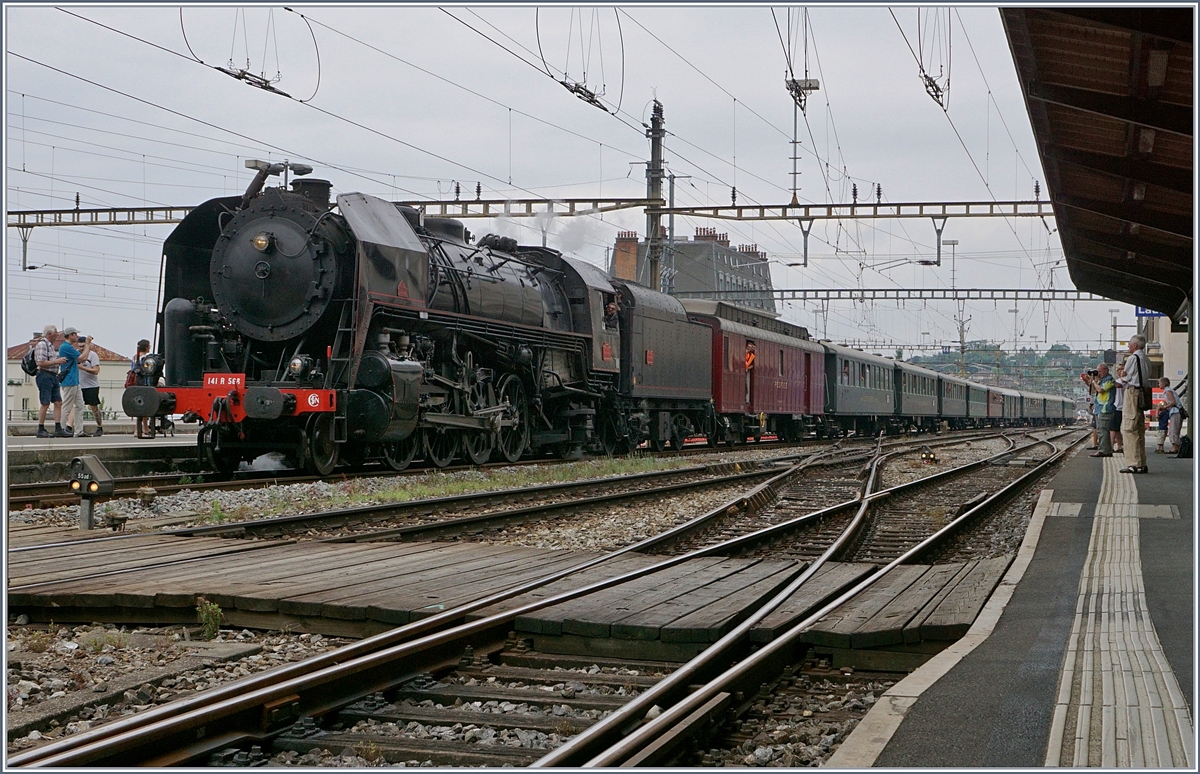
(314, 190)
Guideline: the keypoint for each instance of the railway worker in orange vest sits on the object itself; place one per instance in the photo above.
(749, 366)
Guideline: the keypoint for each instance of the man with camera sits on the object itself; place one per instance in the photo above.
(1134, 376)
(71, 350)
(1103, 387)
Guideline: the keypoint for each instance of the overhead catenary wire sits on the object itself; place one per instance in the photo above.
(467, 89)
(970, 157)
(190, 118)
(318, 109)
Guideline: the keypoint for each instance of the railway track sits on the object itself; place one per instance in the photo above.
(702, 723)
(443, 654)
(51, 494)
(474, 512)
(826, 482)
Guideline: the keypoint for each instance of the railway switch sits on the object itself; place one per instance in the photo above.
(89, 479)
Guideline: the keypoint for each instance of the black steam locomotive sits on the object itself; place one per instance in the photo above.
(367, 331)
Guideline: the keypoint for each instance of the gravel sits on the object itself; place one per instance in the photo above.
(909, 466)
(64, 661)
(1001, 532)
(346, 759)
(802, 725)
(613, 527)
(207, 507)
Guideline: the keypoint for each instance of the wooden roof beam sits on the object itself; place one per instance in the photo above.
(1156, 115)
(1179, 225)
(1145, 248)
(1102, 279)
(1164, 23)
(1135, 169)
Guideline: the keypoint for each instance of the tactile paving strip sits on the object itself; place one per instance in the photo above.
(1119, 704)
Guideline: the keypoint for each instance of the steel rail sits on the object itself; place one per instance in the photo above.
(192, 716)
(57, 492)
(752, 670)
(435, 528)
(184, 716)
(383, 510)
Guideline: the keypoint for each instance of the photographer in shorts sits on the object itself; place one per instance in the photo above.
(1103, 387)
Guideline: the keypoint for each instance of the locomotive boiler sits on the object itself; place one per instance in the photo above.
(366, 331)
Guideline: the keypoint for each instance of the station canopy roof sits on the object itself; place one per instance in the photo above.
(1110, 96)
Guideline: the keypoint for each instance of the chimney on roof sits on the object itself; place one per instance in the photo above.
(625, 254)
(711, 235)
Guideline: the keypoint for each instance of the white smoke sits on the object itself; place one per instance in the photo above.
(265, 462)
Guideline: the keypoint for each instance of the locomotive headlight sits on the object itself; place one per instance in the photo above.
(300, 365)
(149, 365)
(261, 241)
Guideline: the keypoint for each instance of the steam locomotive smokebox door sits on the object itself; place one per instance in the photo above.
(392, 260)
(272, 276)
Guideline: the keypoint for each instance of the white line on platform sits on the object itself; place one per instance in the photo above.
(1125, 708)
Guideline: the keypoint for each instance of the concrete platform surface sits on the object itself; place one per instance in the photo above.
(31, 459)
(122, 426)
(1086, 655)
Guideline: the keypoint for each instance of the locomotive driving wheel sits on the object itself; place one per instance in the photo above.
(223, 461)
(321, 450)
(441, 442)
(478, 444)
(610, 439)
(398, 455)
(514, 428)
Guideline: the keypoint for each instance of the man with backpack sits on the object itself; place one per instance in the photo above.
(47, 361)
(1134, 376)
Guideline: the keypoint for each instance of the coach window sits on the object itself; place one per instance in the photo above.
(781, 362)
(862, 374)
(845, 377)
(726, 351)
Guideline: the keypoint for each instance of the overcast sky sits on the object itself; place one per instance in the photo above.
(411, 100)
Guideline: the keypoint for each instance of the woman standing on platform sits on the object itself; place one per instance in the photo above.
(135, 371)
(1168, 409)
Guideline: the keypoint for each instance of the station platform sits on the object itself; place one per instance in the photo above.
(1084, 654)
(32, 459)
